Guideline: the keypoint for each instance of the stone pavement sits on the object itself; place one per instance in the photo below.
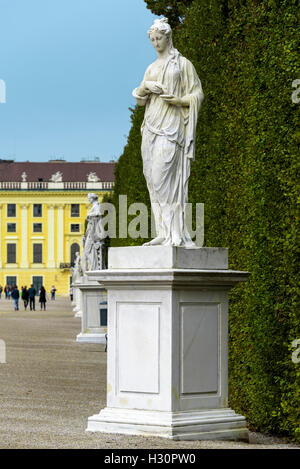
(50, 385)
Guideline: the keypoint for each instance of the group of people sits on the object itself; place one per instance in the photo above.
(6, 290)
(27, 296)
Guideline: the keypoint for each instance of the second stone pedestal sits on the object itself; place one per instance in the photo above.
(167, 344)
(94, 307)
(77, 299)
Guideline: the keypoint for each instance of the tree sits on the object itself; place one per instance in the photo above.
(174, 10)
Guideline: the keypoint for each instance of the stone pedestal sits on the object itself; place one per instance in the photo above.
(93, 331)
(77, 298)
(167, 344)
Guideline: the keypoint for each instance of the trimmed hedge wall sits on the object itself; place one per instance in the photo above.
(245, 172)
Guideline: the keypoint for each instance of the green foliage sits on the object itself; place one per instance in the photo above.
(246, 173)
(174, 10)
(129, 179)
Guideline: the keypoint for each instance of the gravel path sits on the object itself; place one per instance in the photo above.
(50, 385)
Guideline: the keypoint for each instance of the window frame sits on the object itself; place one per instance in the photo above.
(11, 231)
(34, 254)
(71, 214)
(33, 213)
(15, 211)
(8, 261)
(7, 282)
(37, 231)
(75, 224)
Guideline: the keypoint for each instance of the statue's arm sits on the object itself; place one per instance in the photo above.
(141, 93)
(141, 99)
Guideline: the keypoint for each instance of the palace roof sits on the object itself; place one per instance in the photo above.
(71, 172)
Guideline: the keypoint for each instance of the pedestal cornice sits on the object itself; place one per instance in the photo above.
(169, 277)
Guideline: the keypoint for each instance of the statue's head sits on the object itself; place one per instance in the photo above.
(160, 35)
(92, 197)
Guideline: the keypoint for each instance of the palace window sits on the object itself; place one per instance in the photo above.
(11, 227)
(37, 210)
(75, 228)
(11, 253)
(11, 210)
(37, 227)
(37, 253)
(75, 210)
(11, 281)
(37, 283)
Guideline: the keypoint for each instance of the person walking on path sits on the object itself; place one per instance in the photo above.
(42, 298)
(15, 294)
(6, 292)
(53, 290)
(1, 289)
(71, 293)
(25, 297)
(31, 295)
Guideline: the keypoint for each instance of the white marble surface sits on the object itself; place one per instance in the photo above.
(212, 424)
(93, 239)
(172, 93)
(167, 257)
(92, 331)
(167, 353)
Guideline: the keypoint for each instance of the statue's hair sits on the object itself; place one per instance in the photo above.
(162, 26)
(94, 196)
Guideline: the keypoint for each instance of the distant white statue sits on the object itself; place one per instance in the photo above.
(172, 93)
(93, 239)
(92, 177)
(57, 177)
(24, 177)
(77, 271)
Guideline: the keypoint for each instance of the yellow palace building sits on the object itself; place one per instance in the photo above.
(43, 207)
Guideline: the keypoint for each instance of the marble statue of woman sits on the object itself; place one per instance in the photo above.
(77, 269)
(172, 93)
(93, 239)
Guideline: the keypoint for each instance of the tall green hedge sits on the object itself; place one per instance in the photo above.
(245, 172)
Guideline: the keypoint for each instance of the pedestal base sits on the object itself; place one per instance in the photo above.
(212, 424)
(88, 338)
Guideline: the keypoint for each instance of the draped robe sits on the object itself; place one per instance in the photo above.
(168, 146)
(93, 240)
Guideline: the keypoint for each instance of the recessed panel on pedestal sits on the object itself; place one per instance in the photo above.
(138, 348)
(93, 316)
(199, 331)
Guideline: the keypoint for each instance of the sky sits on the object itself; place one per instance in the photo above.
(69, 67)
